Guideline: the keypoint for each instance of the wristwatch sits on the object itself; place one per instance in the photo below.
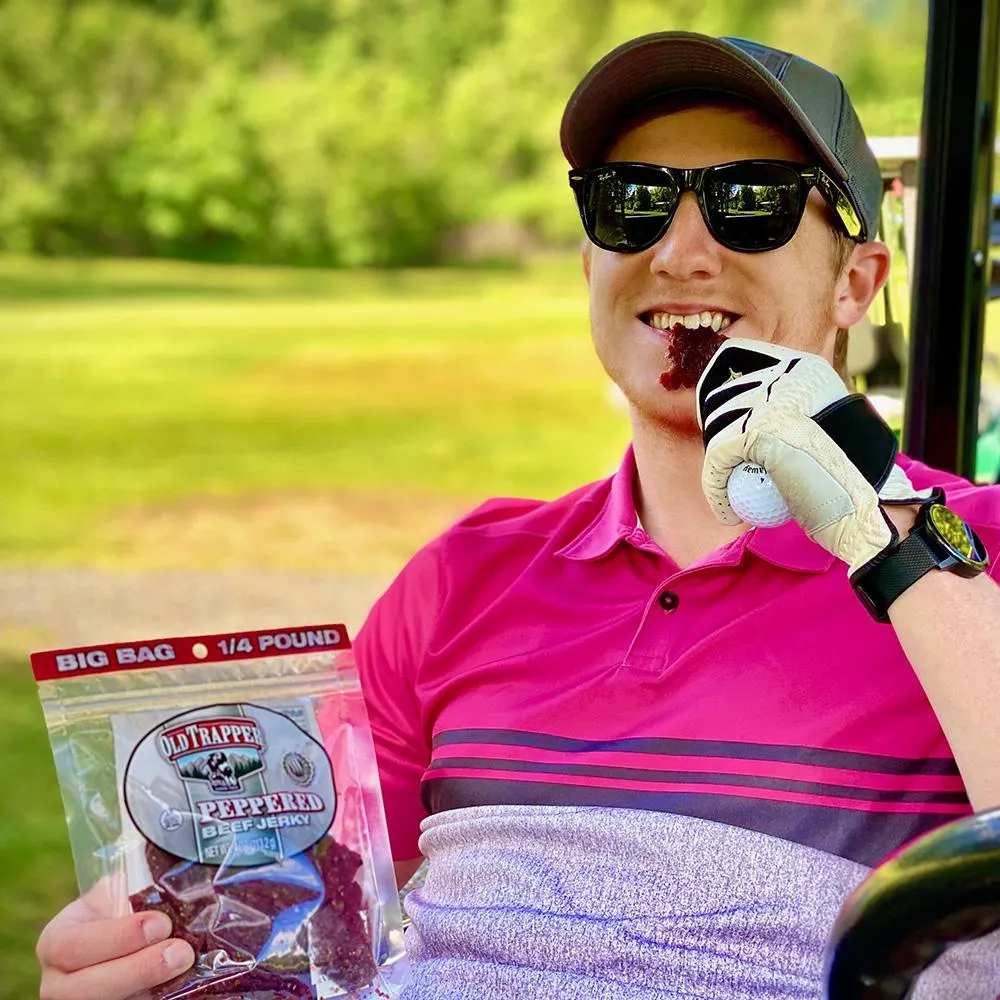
(939, 539)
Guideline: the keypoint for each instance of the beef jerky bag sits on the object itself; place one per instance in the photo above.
(230, 782)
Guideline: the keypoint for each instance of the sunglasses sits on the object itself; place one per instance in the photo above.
(748, 205)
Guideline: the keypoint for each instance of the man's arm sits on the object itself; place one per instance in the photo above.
(949, 628)
(770, 405)
(389, 650)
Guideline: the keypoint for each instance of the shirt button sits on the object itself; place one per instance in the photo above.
(668, 600)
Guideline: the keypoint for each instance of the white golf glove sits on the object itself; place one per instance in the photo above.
(828, 452)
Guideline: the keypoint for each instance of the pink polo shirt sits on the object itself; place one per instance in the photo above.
(546, 656)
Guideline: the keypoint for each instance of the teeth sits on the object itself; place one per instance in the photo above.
(707, 319)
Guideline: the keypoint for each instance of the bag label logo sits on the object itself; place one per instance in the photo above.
(230, 784)
(220, 751)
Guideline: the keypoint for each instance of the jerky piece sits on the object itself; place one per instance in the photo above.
(338, 932)
(269, 894)
(164, 865)
(186, 895)
(258, 984)
(252, 899)
(337, 863)
(185, 892)
(284, 986)
(237, 927)
(688, 355)
(188, 886)
(229, 918)
(340, 946)
(151, 898)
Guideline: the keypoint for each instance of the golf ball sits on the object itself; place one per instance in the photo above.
(755, 498)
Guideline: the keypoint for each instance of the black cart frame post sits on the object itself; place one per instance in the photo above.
(952, 262)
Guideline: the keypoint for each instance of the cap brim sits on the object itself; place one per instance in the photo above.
(671, 61)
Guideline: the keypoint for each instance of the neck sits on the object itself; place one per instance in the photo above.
(668, 495)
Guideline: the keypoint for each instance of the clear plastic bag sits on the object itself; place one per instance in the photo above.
(230, 782)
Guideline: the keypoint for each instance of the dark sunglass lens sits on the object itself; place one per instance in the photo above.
(626, 210)
(754, 206)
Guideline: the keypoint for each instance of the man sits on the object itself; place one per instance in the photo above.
(647, 750)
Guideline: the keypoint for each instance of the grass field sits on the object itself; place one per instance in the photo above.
(174, 415)
(159, 413)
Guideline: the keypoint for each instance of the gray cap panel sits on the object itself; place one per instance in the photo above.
(812, 99)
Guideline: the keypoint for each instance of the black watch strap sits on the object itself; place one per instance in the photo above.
(902, 566)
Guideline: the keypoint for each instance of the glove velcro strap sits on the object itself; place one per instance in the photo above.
(899, 565)
(858, 430)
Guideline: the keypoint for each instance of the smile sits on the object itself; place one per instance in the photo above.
(715, 320)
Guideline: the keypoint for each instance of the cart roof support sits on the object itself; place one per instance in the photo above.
(952, 260)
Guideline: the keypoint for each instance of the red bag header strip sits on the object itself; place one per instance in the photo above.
(55, 664)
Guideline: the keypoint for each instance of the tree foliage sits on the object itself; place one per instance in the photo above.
(348, 132)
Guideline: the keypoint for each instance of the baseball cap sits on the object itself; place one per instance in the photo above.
(812, 100)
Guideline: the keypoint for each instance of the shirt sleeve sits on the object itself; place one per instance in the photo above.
(389, 650)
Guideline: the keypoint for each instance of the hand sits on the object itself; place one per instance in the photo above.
(828, 452)
(88, 954)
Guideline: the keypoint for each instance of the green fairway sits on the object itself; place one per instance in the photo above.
(36, 870)
(166, 414)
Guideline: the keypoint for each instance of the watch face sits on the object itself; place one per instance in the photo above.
(955, 533)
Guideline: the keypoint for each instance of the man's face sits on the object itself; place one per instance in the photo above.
(784, 296)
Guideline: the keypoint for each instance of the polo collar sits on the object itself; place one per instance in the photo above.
(617, 521)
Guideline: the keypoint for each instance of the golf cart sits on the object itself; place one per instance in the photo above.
(878, 349)
(939, 209)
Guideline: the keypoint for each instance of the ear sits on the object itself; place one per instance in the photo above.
(586, 249)
(866, 271)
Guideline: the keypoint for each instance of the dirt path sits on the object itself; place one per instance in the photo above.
(41, 608)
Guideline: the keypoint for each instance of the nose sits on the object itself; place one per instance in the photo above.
(687, 249)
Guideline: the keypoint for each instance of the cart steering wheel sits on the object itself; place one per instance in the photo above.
(942, 889)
